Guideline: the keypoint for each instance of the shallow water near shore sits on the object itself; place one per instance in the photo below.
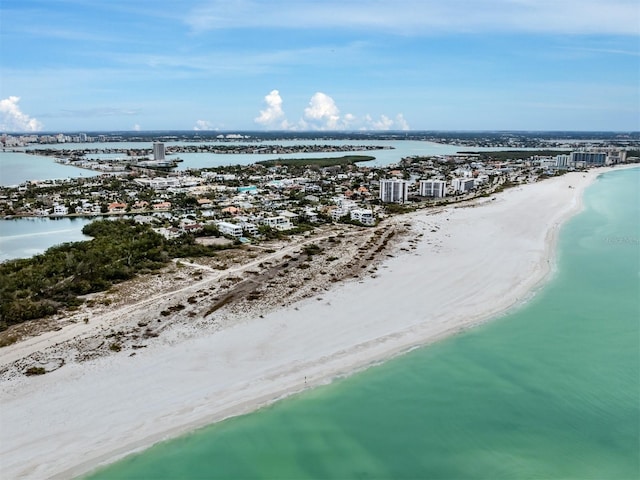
(551, 390)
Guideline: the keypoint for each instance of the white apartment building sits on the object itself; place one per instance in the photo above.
(159, 182)
(481, 179)
(562, 161)
(249, 228)
(394, 190)
(279, 222)
(231, 229)
(158, 151)
(462, 185)
(60, 210)
(344, 206)
(363, 215)
(433, 188)
(598, 156)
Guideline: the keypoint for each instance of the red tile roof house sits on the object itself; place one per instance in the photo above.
(162, 206)
(140, 205)
(117, 207)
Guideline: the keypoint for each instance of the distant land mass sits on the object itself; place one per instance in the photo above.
(489, 138)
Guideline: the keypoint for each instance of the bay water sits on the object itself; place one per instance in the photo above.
(549, 390)
(19, 167)
(25, 237)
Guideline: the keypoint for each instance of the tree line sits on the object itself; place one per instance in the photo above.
(45, 284)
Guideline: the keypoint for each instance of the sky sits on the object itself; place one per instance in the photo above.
(109, 65)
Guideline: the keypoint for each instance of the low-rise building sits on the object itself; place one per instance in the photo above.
(231, 229)
(364, 216)
(117, 207)
(278, 222)
(60, 210)
(162, 206)
(249, 228)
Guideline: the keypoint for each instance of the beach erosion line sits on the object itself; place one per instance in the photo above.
(468, 265)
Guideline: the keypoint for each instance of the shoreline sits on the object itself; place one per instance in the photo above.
(89, 406)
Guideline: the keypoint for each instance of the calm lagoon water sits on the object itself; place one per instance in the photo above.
(25, 237)
(16, 168)
(551, 390)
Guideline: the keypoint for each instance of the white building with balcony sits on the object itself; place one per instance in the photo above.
(363, 215)
(433, 188)
(394, 190)
(462, 185)
(278, 222)
(231, 229)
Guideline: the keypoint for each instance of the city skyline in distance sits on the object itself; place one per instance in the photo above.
(330, 66)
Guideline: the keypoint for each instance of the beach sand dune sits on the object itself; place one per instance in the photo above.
(456, 268)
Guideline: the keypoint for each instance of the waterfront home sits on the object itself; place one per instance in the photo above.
(162, 206)
(362, 215)
(117, 207)
(60, 210)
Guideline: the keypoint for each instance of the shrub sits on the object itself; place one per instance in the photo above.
(35, 371)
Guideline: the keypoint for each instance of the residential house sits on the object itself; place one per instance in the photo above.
(117, 207)
(278, 222)
(364, 216)
(162, 206)
(60, 210)
(231, 229)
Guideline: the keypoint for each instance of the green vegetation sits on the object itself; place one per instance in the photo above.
(317, 162)
(43, 285)
(312, 249)
(396, 208)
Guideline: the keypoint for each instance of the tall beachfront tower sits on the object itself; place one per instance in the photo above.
(394, 190)
(158, 151)
(462, 185)
(433, 188)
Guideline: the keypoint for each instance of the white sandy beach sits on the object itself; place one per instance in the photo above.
(469, 265)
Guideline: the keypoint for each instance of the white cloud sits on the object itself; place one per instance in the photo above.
(203, 125)
(401, 123)
(136, 128)
(14, 120)
(273, 115)
(322, 112)
(385, 123)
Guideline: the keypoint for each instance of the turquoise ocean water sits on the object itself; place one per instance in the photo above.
(551, 390)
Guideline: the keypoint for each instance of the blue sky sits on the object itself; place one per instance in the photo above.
(89, 65)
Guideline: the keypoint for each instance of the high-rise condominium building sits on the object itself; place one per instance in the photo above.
(158, 151)
(433, 188)
(394, 190)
